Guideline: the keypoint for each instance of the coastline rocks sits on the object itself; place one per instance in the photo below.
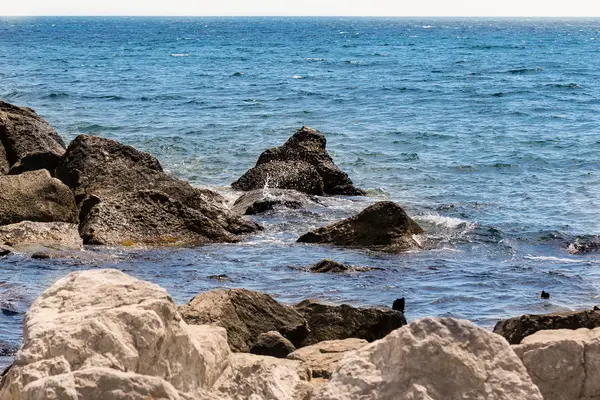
(27, 235)
(324, 357)
(432, 359)
(514, 330)
(330, 322)
(308, 145)
(382, 226)
(263, 200)
(294, 175)
(28, 141)
(583, 245)
(564, 364)
(329, 266)
(35, 196)
(245, 314)
(272, 344)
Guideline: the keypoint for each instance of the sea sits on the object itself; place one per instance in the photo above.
(487, 131)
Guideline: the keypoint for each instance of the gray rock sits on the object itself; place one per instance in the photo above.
(262, 200)
(272, 344)
(383, 226)
(585, 244)
(295, 175)
(34, 236)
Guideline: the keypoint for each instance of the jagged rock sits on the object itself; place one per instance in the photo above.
(5, 250)
(293, 175)
(35, 196)
(432, 359)
(308, 145)
(125, 198)
(382, 226)
(263, 200)
(4, 164)
(101, 334)
(245, 314)
(329, 266)
(333, 322)
(272, 344)
(27, 140)
(324, 357)
(564, 364)
(515, 329)
(587, 244)
(29, 235)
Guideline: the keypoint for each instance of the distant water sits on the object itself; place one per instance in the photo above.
(486, 130)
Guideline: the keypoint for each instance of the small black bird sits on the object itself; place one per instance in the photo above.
(398, 305)
(545, 295)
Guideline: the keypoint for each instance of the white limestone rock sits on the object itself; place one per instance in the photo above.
(432, 359)
(323, 358)
(31, 236)
(563, 363)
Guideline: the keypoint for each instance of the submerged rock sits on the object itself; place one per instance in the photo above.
(432, 359)
(272, 344)
(516, 329)
(382, 226)
(263, 200)
(582, 245)
(307, 146)
(27, 141)
(245, 314)
(28, 236)
(333, 322)
(329, 266)
(35, 196)
(292, 175)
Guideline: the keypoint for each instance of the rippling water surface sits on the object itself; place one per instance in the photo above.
(487, 131)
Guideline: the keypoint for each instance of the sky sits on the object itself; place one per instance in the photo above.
(490, 8)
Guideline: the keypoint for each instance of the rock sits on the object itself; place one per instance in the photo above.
(585, 244)
(4, 164)
(324, 357)
(28, 141)
(220, 277)
(545, 295)
(309, 146)
(382, 226)
(515, 329)
(245, 314)
(293, 175)
(7, 349)
(272, 344)
(564, 364)
(40, 255)
(27, 235)
(263, 200)
(101, 334)
(432, 359)
(398, 304)
(252, 377)
(125, 198)
(329, 266)
(332, 322)
(5, 250)
(35, 196)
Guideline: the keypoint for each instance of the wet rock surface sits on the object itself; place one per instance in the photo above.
(292, 175)
(263, 200)
(584, 245)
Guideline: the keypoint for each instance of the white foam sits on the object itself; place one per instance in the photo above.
(555, 259)
(445, 222)
(297, 77)
(180, 55)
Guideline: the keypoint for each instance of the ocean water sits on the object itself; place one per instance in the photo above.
(486, 131)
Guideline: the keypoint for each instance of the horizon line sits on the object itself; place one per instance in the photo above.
(299, 16)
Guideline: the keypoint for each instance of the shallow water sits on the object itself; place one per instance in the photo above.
(485, 130)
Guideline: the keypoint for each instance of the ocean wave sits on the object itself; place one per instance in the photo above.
(315, 59)
(180, 55)
(555, 259)
(238, 74)
(445, 222)
(56, 95)
(564, 85)
(520, 71)
(298, 77)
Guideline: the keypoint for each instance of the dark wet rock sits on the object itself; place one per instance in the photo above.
(41, 255)
(329, 266)
(399, 304)
(262, 200)
(309, 145)
(125, 198)
(596, 308)
(382, 226)
(272, 344)
(545, 295)
(337, 322)
(28, 141)
(5, 250)
(220, 278)
(35, 196)
(7, 349)
(245, 314)
(294, 175)
(515, 329)
(583, 245)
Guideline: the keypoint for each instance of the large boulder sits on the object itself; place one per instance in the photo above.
(382, 226)
(35, 196)
(113, 183)
(29, 235)
(245, 314)
(309, 146)
(337, 322)
(263, 200)
(516, 329)
(564, 364)
(27, 141)
(293, 175)
(432, 359)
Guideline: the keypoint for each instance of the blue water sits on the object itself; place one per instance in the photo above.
(485, 130)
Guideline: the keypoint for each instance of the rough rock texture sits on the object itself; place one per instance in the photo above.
(101, 334)
(35, 196)
(245, 314)
(295, 175)
(329, 266)
(432, 359)
(263, 200)
(4, 164)
(5, 250)
(27, 234)
(515, 329)
(308, 145)
(114, 183)
(564, 364)
(382, 226)
(587, 244)
(324, 357)
(27, 140)
(330, 322)
(272, 344)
